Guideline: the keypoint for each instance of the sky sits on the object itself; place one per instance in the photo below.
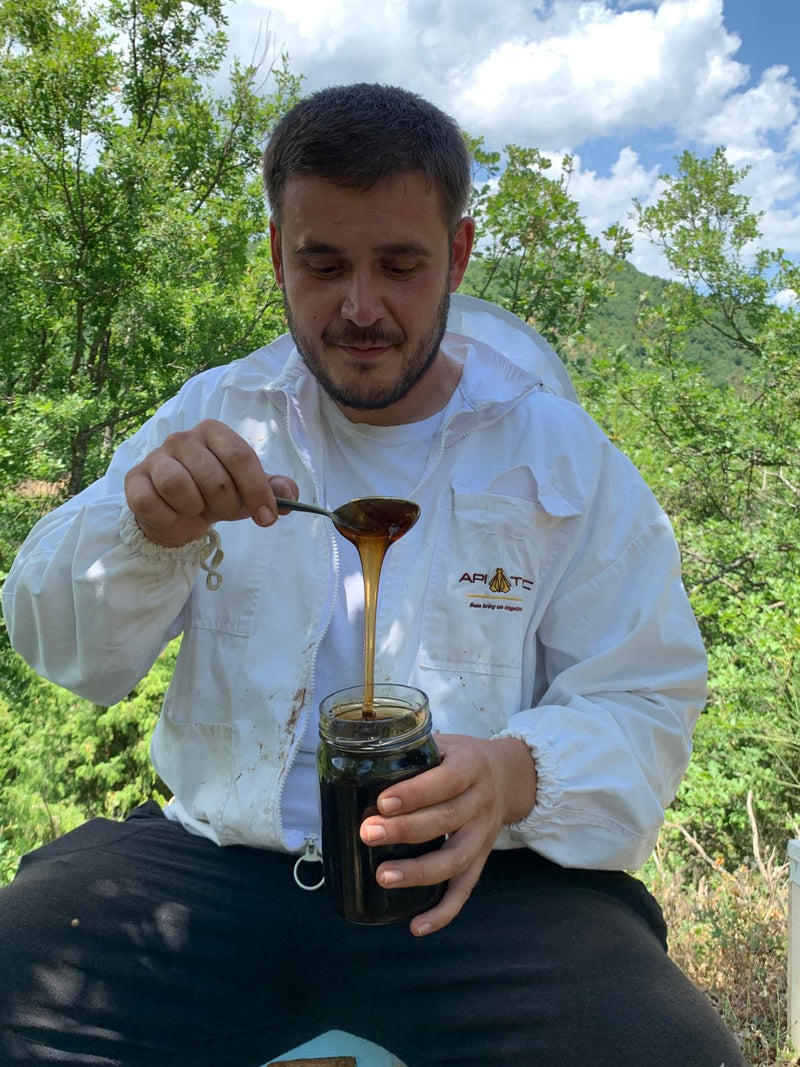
(623, 85)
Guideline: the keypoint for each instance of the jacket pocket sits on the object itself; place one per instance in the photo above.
(483, 598)
(233, 608)
(195, 759)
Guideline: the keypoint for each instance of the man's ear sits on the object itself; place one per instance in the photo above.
(275, 247)
(460, 251)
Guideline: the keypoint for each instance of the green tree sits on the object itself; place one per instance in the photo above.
(64, 759)
(534, 254)
(738, 447)
(723, 461)
(615, 325)
(132, 256)
(131, 221)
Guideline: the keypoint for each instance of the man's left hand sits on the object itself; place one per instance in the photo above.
(479, 787)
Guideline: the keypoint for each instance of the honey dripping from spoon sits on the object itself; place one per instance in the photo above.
(379, 522)
(371, 523)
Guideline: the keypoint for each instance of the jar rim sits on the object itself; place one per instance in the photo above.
(411, 721)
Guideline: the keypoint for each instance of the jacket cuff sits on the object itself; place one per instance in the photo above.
(205, 552)
(548, 781)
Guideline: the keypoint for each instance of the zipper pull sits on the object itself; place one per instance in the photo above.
(310, 854)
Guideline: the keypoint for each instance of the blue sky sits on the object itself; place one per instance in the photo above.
(769, 29)
(624, 85)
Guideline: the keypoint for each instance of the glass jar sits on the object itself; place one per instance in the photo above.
(357, 759)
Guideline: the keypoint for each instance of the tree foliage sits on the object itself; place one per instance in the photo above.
(534, 254)
(132, 256)
(64, 759)
(615, 325)
(130, 213)
(724, 462)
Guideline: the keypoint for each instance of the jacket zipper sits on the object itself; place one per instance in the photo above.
(310, 854)
(313, 664)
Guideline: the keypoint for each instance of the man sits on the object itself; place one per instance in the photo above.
(564, 703)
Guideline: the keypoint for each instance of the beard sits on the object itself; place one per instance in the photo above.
(361, 393)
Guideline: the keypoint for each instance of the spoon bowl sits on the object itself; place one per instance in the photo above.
(368, 516)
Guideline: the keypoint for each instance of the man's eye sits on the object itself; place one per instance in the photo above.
(398, 271)
(323, 270)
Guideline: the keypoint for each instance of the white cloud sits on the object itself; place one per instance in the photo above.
(564, 72)
(759, 131)
(533, 73)
(605, 199)
(608, 199)
(592, 72)
(745, 120)
(787, 298)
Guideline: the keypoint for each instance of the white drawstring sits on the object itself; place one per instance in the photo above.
(212, 556)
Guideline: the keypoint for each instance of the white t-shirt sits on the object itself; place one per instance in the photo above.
(360, 460)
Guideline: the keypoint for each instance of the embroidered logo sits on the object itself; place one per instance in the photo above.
(500, 585)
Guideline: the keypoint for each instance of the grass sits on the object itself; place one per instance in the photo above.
(728, 932)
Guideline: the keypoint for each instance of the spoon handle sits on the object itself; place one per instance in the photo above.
(298, 505)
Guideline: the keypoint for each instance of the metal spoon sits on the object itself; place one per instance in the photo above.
(387, 515)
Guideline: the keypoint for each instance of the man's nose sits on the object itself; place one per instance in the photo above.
(362, 303)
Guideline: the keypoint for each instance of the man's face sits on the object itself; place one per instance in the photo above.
(367, 279)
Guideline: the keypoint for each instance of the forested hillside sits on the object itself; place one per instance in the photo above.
(132, 255)
(615, 326)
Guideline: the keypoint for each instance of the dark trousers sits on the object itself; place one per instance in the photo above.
(137, 943)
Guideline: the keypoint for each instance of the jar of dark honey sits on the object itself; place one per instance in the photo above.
(362, 752)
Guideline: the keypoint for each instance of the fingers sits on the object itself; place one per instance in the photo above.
(501, 770)
(452, 800)
(455, 858)
(161, 496)
(456, 863)
(201, 476)
(227, 473)
(437, 802)
(453, 776)
(454, 899)
(423, 825)
(285, 487)
(193, 481)
(479, 786)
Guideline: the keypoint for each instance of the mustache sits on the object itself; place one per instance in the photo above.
(356, 335)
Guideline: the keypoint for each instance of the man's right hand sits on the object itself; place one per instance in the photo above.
(198, 477)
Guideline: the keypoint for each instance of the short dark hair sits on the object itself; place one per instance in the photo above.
(358, 135)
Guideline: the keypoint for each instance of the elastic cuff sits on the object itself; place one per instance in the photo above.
(205, 552)
(548, 779)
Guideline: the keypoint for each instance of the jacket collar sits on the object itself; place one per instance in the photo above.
(488, 377)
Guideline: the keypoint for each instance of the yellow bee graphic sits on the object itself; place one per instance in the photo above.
(499, 584)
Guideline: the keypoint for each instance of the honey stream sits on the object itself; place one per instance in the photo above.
(378, 522)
